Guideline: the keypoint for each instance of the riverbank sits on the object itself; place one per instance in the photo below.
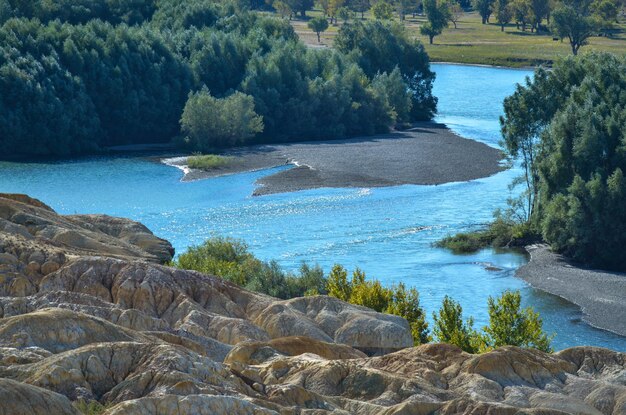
(600, 294)
(428, 154)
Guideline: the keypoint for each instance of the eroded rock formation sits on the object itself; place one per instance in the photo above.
(88, 313)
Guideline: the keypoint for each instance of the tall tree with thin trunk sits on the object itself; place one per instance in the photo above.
(318, 25)
(503, 12)
(574, 24)
(438, 15)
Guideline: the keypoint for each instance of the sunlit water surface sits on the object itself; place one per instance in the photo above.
(387, 232)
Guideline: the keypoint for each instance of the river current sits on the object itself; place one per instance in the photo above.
(387, 232)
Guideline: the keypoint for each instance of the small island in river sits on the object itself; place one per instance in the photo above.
(428, 153)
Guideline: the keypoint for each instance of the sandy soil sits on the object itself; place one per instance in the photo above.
(427, 154)
(601, 295)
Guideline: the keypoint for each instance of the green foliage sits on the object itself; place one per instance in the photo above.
(392, 88)
(438, 15)
(338, 285)
(503, 11)
(211, 122)
(318, 25)
(503, 232)
(91, 407)
(231, 260)
(208, 161)
(484, 8)
(397, 300)
(573, 21)
(82, 11)
(86, 90)
(567, 125)
(380, 47)
(509, 324)
(582, 168)
(313, 94)
(450, 328)
(405, 303)
(382, 10)
(108, 72)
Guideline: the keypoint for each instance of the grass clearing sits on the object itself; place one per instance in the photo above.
(208, 161)
(475, 43)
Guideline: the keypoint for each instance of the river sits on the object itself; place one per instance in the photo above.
(387, 232)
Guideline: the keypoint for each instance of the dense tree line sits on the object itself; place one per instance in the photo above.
(567, 126)
(81, 75)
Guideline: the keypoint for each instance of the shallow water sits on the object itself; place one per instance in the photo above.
(387, 232)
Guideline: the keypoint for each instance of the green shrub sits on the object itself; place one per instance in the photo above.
(208, 161)
(501, 233)
(450, 328)
(91, 407)
(231, 260)
(509, 324)
(210, 122)
(395, 300)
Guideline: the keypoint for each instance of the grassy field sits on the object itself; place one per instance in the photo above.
(475, 43)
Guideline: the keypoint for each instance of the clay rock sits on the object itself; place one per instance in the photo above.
(331, 320)
(187, 405)
(253, 353)
(58, 330)
(116, 372)
(23, 219)
(21, 399)
(128, 231)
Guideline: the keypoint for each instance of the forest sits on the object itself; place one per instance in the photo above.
(76, 77)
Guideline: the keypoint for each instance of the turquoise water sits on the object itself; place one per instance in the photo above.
(387, 232)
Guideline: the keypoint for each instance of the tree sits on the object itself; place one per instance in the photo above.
(338, 285)
(344, 14)
(382, 10)
(450, 328)
(300, 6)
(405, 303)
(333, 8)
(540, 10)
(574, 23)
(582, 167)
(211, 122)
(359, 6)
(503, 13)
(522, 13)
(484, 8)
(404, 7)
(438, 16)
(456, 12)
(511, 325)
(606, 12)
(283, 9)
(318, 25)
(380, 47)
(395, 91)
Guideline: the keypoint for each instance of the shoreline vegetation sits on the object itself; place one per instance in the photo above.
(571, 152)
(509, 323)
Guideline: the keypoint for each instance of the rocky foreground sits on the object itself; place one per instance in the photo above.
(87, 312)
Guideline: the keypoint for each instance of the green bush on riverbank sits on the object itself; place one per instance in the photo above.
(501, 233)
(509, 324)
(208, 161)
